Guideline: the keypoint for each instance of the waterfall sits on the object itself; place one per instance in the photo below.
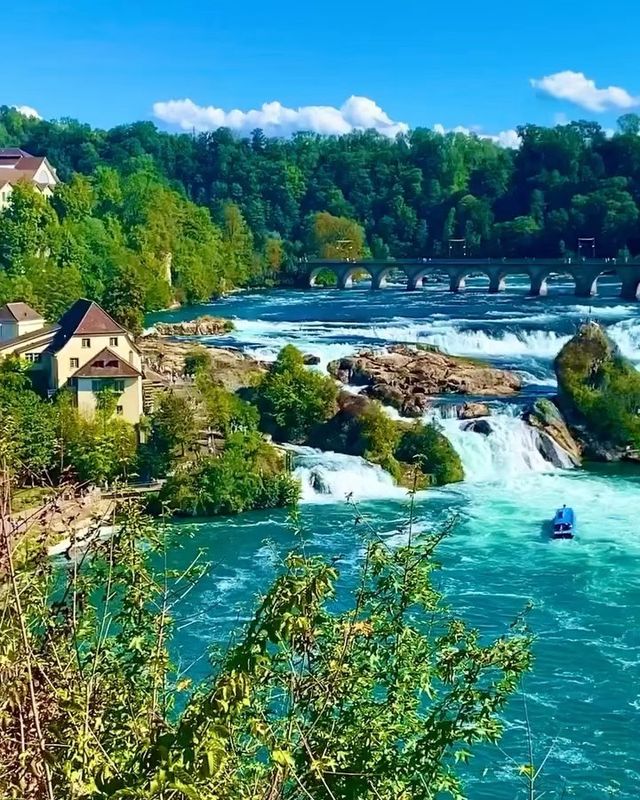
(509, 451)
(330, 477)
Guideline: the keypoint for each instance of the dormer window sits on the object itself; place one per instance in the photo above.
(86, 342)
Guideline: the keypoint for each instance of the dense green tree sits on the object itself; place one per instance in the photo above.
(124, 299)
(336, 237)
(25, 229)
(401, 197)
(174, 430)
(292, 399)
(248, 474)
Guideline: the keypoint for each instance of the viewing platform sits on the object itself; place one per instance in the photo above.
(583, 272)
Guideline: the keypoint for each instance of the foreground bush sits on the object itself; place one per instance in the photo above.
(380, 701)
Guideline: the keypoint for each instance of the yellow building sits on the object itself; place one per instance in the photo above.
(85, 351)
(16, 165)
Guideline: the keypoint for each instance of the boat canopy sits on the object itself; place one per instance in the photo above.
(564, 515)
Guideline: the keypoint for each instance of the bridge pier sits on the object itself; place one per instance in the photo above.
(496, 283)
(631, 288)
(345, 280)
(586, 284)
(538, 286)
(456, 282)
(379, 278)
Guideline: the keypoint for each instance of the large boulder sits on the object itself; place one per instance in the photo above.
(342, 433)
(473, 410)
(481, 426)
(599, 395)
(409, 377)
(546, 417)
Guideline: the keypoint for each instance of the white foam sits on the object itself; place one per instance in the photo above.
(506, 454)
(626, 334)
(330, 477)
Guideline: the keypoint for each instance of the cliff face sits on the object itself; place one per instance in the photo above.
(599, 393)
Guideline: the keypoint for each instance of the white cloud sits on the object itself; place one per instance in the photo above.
(28, 111)
(576, 88)
(357, 113)
(508, 138)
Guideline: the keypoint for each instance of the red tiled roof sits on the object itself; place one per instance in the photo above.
(18, 312)
(106, 364)
(85, 318)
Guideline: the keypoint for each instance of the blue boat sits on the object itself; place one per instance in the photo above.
(564, 523)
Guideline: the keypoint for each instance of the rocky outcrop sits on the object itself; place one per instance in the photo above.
(599, 395)
(481, 426)
(310, 360)
(201, 326)
(473, 410)
(343, 432)
(409, 377)
(546, 417)
(164, 361)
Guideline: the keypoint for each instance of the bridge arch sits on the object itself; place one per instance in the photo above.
(317, 272)
(630, 289)
(380, 278)
(490, 282)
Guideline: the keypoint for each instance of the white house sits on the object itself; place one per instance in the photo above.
(16, 165)
(85, 351)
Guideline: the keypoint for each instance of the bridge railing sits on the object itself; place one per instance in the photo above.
(414, 262)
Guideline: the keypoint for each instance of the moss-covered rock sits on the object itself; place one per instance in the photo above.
(427, 446)
(414, 454)
(599, 393)
(546, 417)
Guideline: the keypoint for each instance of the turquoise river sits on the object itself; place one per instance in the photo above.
(583, 694)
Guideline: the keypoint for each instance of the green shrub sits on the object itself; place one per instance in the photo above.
(196, 361)
(248, 475)
(428, 447)
(293, 399)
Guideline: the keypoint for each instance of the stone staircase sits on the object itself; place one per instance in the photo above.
(150, 390)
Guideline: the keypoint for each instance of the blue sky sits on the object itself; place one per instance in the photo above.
(422, 63)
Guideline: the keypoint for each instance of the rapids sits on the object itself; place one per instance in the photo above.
(584, 691)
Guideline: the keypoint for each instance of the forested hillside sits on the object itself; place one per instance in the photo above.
(221, 211)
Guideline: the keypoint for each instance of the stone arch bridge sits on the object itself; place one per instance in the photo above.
(583, 272)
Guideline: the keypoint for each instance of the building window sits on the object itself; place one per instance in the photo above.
(119, 410)
(113, 341)
(86, 342)
(116, 385)
(74, 363)
(33, 358)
